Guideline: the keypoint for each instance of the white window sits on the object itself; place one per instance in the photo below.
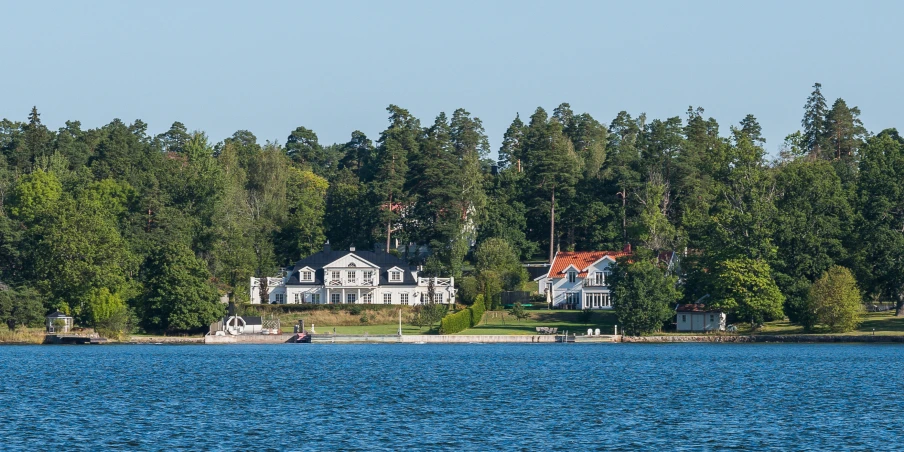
(572, 276)
(352, 276)
(280, 298)
(438, 297)
(599, 279)
(368, 298)
(404, 298)
(395, 276)
(334, 275)
(315, 298)
(298, 298)
(351, 298)
(335, 298)
(387, 298)
(307, 275)
(368, 277)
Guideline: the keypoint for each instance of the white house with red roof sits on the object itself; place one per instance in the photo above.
(577, 279)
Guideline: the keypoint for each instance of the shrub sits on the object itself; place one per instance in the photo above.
(835, 300)
(454, 323)
(477, 309)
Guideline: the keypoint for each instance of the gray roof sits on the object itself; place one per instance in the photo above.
(57, 315)
(384, 261)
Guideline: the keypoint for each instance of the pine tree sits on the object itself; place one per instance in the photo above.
(814, 122)
(552, 168)
(510, 153)
(844, 131)
(390, 167)
(750, 127)
(37, 137)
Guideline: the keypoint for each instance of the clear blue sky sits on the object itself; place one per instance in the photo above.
(270, 66)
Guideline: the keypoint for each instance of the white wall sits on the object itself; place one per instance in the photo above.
(700, 321)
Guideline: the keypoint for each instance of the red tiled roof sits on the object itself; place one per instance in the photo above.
(581, 260)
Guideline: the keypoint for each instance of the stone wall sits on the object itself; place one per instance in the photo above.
(801, 338)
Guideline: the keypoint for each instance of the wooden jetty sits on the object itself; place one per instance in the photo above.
(75, 339)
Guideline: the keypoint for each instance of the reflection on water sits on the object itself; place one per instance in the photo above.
(461, 397)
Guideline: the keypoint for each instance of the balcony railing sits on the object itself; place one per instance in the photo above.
(437, 282)
(352, 282)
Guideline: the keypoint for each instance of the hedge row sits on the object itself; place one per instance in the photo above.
(477, 310)
(454, 323)
(463, 319)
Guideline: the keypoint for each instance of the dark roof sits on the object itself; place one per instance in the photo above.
(56, 315)
(383, 260)
(536, 271)
(252, 320)
(695, 308)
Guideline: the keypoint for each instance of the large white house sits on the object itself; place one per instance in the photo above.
(577, 279)
(353, 277)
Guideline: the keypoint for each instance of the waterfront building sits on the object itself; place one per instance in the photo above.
(578, 279)
(352, 277)
(696, 317)
(58, 322)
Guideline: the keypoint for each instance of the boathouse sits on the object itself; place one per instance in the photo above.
(696, 317)
(58, 322)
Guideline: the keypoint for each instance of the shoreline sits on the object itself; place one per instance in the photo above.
(287, 338)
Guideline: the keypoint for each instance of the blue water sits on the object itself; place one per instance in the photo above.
(452, 397)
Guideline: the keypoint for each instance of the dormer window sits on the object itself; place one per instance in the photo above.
(572, 276)
(307, 275)
(395, 276)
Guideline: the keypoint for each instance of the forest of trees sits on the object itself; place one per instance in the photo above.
(115, 225)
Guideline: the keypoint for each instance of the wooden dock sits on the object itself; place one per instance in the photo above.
(74, 339)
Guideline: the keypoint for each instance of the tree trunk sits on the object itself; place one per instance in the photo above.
(389, 224)
(899, 307)
(552, 227)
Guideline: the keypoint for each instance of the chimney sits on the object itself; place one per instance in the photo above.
(326, 247)
(627, 248)
(351, 248)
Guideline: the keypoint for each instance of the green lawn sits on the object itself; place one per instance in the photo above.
(884, 323)
(500, 322)
(495, 322)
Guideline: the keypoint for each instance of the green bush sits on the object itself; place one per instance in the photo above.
(463, 319)
(454, 323)
(477, 309)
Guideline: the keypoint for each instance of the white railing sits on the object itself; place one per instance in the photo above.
(437, 282)
(352, 282)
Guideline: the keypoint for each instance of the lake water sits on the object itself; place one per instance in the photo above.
(453, 397)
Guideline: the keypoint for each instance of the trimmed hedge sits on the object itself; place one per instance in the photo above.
(477, 310)
(464, 319)
(454, 323)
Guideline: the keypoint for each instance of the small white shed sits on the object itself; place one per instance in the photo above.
(695, 317)
(58, 323)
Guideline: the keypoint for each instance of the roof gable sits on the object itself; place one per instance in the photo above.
(580, 260)
(351, 259)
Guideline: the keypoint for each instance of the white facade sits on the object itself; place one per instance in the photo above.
(351, 279)
(700, 321)
(573, 287)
